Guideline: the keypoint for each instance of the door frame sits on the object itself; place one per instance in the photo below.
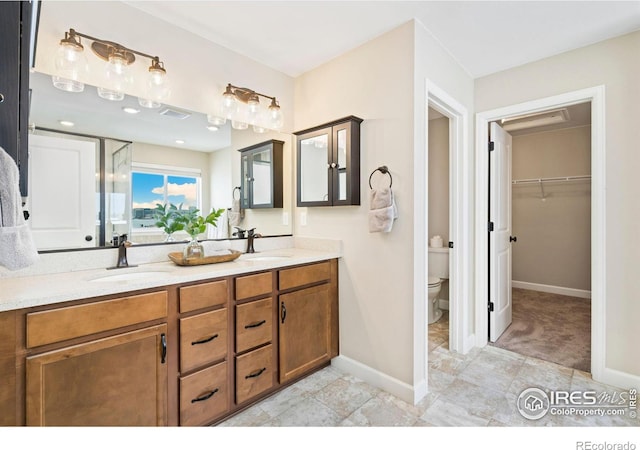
(595, 95)
(461, 339)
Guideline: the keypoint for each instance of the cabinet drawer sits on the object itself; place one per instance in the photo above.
(253, 324)
(203, 295)
(253, 285)
(254, 373)
(204, 395)
(203, 339)
(300, 276)
(60, 324)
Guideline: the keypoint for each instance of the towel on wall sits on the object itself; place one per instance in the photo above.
(236, 214)
(382, 210)
(17, 249)
(221, 229)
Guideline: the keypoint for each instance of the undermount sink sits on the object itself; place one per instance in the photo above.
(129, 276)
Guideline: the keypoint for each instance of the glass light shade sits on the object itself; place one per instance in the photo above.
(71, 65)
(229, 105)
(117, 78)
(109, 94)
(158, 86)
(237, 125)
(259, 129)
(275, 117)
(148, 103)
(216, 120)
(253, 110)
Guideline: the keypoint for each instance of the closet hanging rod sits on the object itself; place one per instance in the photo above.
(542, 180)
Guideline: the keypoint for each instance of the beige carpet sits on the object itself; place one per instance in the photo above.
(552, 327)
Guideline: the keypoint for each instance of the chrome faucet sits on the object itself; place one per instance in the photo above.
(251, 235)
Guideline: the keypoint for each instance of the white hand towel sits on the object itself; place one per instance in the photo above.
(221, 229)
(17, 249)
(236, 214)
(382, 210)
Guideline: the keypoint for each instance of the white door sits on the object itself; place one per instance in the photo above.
(62, 192)
(500, 307)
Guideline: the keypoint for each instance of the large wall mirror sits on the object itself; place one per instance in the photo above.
(98, 168)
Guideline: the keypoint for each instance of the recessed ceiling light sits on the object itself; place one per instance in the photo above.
(66, 123)
(212, 128)
(179, 141)
(130, 110)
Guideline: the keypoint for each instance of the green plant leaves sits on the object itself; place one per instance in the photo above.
(171, 219)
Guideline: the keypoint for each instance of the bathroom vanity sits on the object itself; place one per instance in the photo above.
(164, 345)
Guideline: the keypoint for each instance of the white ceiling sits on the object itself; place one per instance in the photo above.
(483, 36)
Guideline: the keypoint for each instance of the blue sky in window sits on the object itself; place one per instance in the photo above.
(148, 190)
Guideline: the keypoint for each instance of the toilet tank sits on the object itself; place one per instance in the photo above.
(439, 262)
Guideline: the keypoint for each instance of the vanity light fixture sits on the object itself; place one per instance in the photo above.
(242, 106)
(71, 65)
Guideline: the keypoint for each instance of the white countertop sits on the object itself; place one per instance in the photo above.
(37, 290)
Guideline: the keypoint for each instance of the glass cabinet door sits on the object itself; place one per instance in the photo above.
(313, 180)
(341, 169)
(261, 179)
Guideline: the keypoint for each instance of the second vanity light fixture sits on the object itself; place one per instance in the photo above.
(71, 64)
(242, 107)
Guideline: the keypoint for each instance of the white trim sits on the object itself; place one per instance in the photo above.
(595, 95)
(560, 290)
(169, 170)
(402, 390)
(620, 379)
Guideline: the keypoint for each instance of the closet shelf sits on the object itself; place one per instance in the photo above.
(552, 179)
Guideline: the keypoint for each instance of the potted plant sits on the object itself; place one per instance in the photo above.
(169, 218)
(195, 224)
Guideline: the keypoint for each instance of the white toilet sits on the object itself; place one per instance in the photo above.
(438, 272)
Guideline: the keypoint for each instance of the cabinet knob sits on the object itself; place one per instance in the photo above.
(333, 165)
(1, 98)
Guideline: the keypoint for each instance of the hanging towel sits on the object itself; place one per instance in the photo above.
(236, 214)
(382, 210)
(17, 249)
(221, 229)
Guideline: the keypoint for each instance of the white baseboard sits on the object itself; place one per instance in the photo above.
(402, 390)
(619, 379)
(551, 289)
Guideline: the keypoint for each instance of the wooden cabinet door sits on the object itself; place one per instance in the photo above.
(115, 381)
(305, 330)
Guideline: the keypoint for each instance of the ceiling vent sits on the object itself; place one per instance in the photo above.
(536, 120)
(175, 113)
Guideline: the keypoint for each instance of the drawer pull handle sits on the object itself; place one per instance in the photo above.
(255, 324)
(205, 397)
(283, 312)
(163, 343)
(204, 341)
(257, 373)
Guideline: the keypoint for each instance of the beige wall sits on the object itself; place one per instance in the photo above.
(383, 82)
(615, 64)
(439, 178)
(554, 234)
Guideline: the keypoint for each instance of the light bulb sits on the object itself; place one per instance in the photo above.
(117, 77)
(253, 109)
(229, 103)
(158, 87)
(275, 115)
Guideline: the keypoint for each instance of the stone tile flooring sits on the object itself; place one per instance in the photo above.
(474, 390)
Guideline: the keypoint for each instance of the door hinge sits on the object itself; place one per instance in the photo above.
(450, 244)
(490, 306)
(491, 146)
(490, 227)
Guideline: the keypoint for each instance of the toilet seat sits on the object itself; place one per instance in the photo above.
(434, 281)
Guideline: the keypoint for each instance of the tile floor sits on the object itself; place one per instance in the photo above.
(477, 389)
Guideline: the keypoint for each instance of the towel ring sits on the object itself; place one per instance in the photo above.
(384, 170)
(233, 194)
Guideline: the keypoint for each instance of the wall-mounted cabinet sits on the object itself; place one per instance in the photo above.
(328, 163)
(261, 175)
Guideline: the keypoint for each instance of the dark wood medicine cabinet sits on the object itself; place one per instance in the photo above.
(328, 163)
(262, 175)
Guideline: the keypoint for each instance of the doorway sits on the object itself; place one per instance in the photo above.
(595, 96)
(548, 243)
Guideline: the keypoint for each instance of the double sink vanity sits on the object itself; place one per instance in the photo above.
(161, 344)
